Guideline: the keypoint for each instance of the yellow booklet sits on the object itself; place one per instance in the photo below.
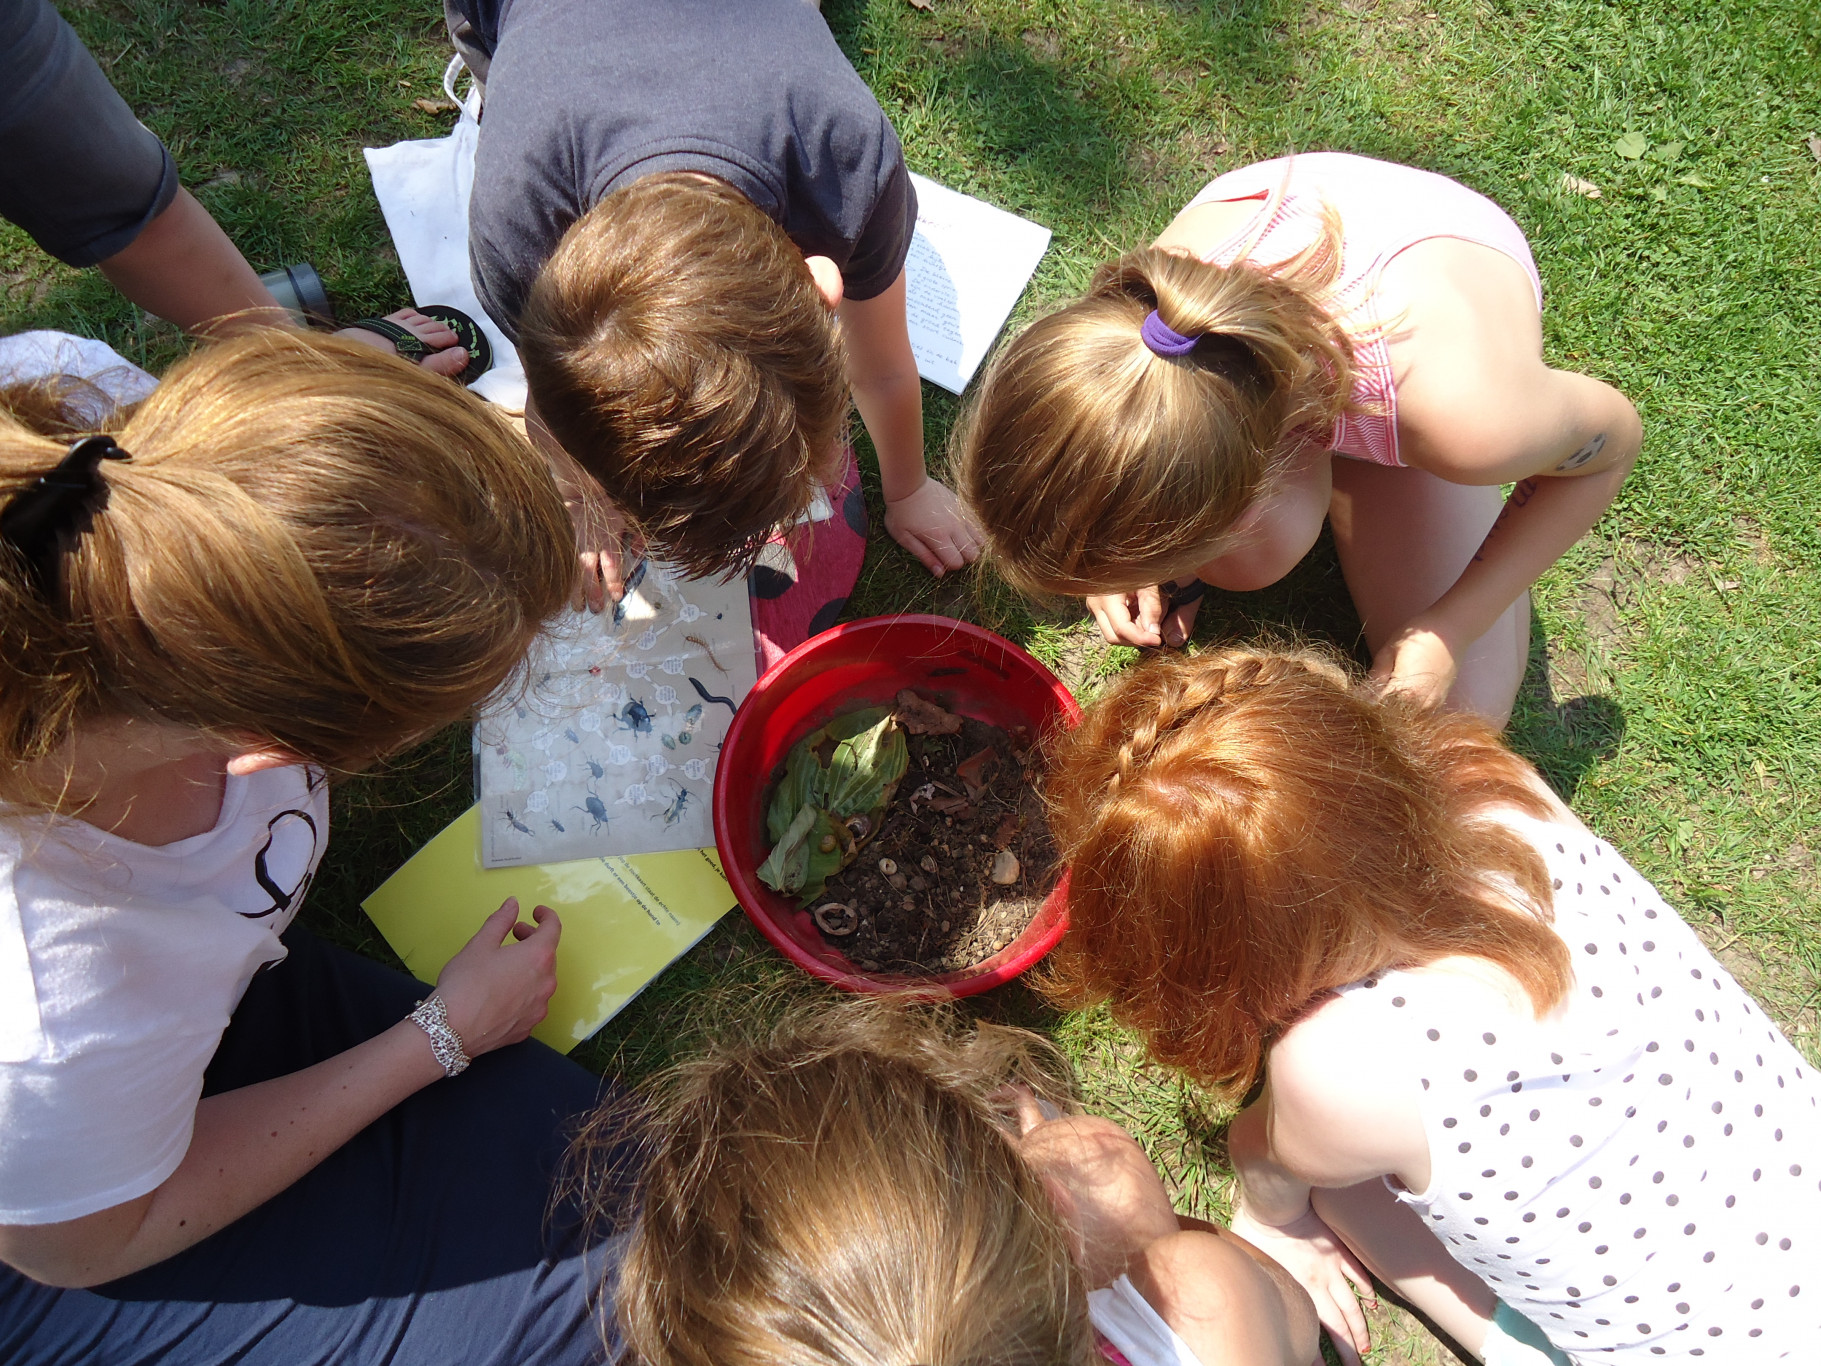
(624, 919)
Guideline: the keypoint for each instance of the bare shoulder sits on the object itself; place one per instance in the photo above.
(1200, 228)
(1345, 1105)
(1227, 1303)
(1476, 404)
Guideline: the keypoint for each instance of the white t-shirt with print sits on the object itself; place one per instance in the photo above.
(120, 964)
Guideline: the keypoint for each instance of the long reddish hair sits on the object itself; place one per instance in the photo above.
(1247, 830)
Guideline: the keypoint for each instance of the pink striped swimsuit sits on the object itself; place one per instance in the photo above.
(1383, 209)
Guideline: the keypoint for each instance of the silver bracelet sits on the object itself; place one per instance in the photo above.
(432, 1016)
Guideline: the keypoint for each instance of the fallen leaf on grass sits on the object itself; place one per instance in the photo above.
(1575, 185)
(435, 106)
(1632, 146)
(1667, 152)
(1814, 146)
(922, 4)
(1692, 179)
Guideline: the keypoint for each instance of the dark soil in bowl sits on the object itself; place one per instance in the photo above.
(961, 862)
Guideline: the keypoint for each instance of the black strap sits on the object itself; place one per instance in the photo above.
(408, 343)
(55, 508)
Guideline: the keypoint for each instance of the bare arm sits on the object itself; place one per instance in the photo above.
(251, 1143)
(183, 268)
(1336, 1110)
(1477, 405)
(1568, 441)
(921, 513)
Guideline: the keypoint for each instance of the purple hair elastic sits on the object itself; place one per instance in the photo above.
(1164, 339)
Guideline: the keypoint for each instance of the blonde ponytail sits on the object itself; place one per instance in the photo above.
(1096, 464)
(313, 546)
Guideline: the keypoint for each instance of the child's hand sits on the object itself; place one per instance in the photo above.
(1311, 1252)
(601, 534)
(1418, 662)
(601, 537)
(933, 526)
(1131, 618)
(1103, 1185)
(498, 987)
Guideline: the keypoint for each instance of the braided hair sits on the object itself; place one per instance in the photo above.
(1248, 829)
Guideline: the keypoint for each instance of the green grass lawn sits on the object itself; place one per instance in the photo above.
(1675, 692)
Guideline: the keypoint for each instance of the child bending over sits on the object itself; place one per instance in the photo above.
(1180, 425)
(692, 217)
(1499, 1071)
(870, 1187)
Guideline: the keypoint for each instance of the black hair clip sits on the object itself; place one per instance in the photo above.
(57, 506)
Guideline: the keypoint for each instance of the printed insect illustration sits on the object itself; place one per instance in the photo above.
(634, 717)
(596, 810)
(707, 650)
(692, 720)
(707, 696)
(572, 737)
(557, 826)
(594, 768)
(674, 808)
(515, 822)
(633, 580)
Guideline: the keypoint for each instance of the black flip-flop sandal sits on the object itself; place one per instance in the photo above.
(1181, 595)
(413, 348)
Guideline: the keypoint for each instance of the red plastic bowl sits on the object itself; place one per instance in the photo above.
(865, 664)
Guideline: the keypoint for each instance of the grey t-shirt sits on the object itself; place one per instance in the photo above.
(586, 96)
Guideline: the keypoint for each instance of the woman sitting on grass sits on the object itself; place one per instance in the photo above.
(220, 1139)
(1498, 1070)
(872, 1187)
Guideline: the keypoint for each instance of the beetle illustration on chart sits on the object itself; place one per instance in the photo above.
(617, 712)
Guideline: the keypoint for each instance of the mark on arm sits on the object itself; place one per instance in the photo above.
(1522, 492)
(1582, 456)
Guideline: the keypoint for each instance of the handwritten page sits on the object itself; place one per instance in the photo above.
(624, 919)
(968, 264)
(611, 745)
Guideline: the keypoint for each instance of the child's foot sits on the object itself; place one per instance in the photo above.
(447, 357)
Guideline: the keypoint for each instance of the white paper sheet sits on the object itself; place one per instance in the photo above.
(422, 187)
(968, 264)
(611, 746)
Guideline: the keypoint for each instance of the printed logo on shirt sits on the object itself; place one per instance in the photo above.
(286, 860)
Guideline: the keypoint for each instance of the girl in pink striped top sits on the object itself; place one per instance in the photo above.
(1180, 425)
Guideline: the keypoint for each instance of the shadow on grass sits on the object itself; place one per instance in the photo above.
(1565, 738)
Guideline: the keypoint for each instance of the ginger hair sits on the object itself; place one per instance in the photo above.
(314, 546)
(677, 346)
(1247, 830)
(844, 1192)
(1095, 464)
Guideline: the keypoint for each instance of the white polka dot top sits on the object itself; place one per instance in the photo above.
(1639, 1173)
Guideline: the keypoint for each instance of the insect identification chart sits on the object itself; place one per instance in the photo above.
(608, 744)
